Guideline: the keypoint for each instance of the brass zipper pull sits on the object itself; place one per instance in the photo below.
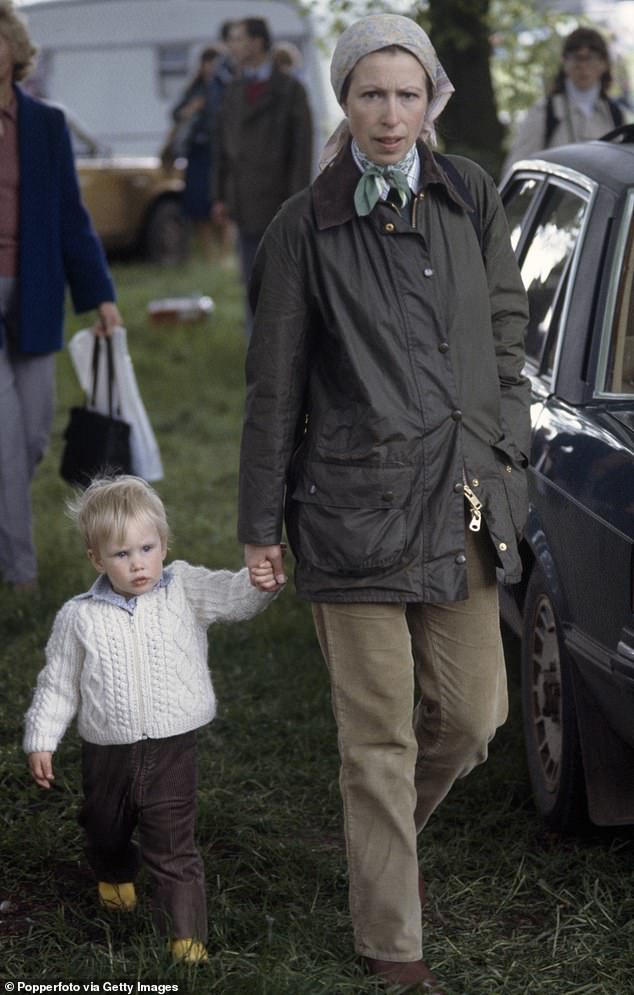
(416, 200)
(475, 508)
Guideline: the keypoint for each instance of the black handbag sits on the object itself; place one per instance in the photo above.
(95, 443)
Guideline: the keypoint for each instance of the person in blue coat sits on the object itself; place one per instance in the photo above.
(47, 242)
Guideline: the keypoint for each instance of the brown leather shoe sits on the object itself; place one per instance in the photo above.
(414, 975)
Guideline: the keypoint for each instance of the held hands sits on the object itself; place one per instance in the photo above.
(264, 564)
(108, 318)
(41, 765)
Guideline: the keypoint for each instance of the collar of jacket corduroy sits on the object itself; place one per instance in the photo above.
(333, 190)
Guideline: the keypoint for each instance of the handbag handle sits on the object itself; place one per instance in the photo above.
(95, 371)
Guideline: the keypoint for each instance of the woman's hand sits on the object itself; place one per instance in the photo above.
(108, 318)
(264, 564)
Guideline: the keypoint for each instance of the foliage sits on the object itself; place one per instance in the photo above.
(525, 39)
(526, 44)
(511, 910)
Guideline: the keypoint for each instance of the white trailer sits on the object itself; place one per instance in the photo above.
(120, 65)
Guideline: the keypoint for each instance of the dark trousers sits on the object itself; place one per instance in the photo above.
(149, 785)
(248, 243)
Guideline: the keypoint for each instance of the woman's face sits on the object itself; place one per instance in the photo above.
(584, 68)
(386, 104)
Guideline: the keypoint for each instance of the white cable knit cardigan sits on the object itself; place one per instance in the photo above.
(128, 676)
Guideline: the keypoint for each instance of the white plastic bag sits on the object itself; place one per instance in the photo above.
(146, 457)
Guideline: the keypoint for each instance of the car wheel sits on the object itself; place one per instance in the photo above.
(550, 723)
(167, 234)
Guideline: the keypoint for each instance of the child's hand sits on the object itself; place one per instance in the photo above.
(41, 765)
(263, 576)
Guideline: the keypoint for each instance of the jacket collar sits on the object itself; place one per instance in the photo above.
(333, 190)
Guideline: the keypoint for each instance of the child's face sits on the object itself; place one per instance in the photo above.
(135, 565)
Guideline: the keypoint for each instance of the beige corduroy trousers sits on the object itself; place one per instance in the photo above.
(418, 691)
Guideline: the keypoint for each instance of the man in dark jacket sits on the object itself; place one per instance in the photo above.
(387, 414)
(265, 140)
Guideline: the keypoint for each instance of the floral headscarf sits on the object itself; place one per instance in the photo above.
(370, 34)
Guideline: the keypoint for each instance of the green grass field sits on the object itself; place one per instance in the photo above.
(512, 910)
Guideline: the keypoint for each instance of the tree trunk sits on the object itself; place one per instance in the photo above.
(469, 124)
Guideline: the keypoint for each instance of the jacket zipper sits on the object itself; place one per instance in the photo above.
(475, 506)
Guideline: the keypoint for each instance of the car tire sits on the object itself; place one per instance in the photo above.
(167, 234)
(551, 735)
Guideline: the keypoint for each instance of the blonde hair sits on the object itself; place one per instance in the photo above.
(14, 29)
(104, 510)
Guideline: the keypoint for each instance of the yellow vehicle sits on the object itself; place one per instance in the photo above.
(135, 202)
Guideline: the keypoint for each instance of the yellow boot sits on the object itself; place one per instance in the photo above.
(117, 897)
(188, 950)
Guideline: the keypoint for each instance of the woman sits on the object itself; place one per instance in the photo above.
(578, 107)
(195, 119)
(387, 410)
(46, 241)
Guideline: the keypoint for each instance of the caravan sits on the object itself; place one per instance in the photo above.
(120, 65)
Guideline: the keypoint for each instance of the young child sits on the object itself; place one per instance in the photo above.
(129, 658)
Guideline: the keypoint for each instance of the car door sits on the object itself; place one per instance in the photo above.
(547, 215)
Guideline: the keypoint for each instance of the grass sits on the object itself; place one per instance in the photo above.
(512, 910)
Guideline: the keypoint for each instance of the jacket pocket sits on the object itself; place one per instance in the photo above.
(512, 466)
(349, 519)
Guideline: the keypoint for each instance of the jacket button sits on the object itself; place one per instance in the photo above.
(475, 482)
(443, 347)
(458, 488)
(388, 496)
(389, 228)
(509, 469)
(457, 414)
(461, 559)
(312, 489)
(428, 271)
(502, 547)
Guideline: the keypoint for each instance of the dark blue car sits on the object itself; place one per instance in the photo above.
(571, 215)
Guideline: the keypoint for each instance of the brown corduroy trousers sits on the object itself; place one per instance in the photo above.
(149, 785)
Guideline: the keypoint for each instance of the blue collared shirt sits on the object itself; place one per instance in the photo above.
(102, 590)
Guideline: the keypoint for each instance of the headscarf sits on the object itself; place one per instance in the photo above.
(370, 34)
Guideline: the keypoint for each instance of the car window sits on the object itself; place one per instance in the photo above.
(545, 267)
(517, 200)
(620, 368)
